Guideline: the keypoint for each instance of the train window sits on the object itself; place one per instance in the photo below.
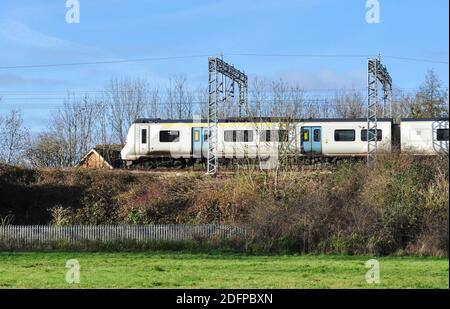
(274, 136)
(364, 134)
(169, 136)
(283, 136)
(317, 135)
(305, 135)
(144, 136)
(344, 135)
(228, 136)
(196, 136)
(206, 135)
(442, 135)
(248, 136)
(238, 136)
(244, 136)
(265, 135)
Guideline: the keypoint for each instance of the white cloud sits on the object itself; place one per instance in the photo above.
(14, 80)
(327, 79)
(19, 33)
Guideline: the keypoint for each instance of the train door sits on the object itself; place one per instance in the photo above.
(311, 140)
(205, 143)
(144, 139)
(200, 138)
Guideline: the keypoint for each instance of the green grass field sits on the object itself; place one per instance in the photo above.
(184, 270)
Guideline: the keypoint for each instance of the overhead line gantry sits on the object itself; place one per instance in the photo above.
(376, 74)
(222, 78)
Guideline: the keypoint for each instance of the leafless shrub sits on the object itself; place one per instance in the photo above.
(60, 216)
(46, 150)
(7, 219)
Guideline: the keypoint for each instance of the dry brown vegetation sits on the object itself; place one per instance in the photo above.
(401, 208)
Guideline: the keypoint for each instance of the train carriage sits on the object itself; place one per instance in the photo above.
(424, 136)
(187, 140)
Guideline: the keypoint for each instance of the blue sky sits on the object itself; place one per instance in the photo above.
(35, 32)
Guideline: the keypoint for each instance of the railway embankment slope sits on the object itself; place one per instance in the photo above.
(398, 205)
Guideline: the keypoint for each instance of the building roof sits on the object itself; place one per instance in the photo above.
(109, 155)
(424, 119)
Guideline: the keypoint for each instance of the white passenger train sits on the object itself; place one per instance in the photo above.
(424, 136)
(154, 140)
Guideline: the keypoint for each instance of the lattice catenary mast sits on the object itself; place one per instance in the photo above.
(222, 78)
(377, 73)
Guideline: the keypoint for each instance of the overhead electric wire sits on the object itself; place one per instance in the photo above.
(416, 59)
(100, 62)
(26, 95)
(265, 96)
(50, 65)
(190, 91)
(338, 56)
(300, 55)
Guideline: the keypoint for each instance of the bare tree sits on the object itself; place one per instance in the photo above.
(326, 108)
(13, 138)
(127, 100)
(74, 127)
(179, 101)
(202, 98)
(258, 95)
(46, 150)
(155, 101)
(313, 107)
(1, 118)
(103, 128)
(431, 99)
(402, 104)
(348, 105)
(280, 104)
(276, 98)
(229, 107)
(297, 98)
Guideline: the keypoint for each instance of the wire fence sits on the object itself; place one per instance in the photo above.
(42, 234)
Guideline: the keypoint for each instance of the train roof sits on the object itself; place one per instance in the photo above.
(424, 119)
(257, 119)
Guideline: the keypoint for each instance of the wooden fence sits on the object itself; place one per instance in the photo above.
(41, 234)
